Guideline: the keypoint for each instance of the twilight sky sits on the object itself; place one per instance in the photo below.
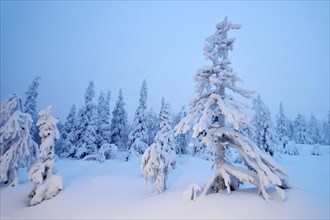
(281, 51)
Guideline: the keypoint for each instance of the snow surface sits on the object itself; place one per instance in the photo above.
(115, 189)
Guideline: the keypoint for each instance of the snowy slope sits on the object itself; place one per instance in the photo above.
(115, 189)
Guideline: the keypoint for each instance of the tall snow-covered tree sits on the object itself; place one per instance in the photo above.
(314, 130)
(17, 149)
(119, 124)
(220, 116)
(103, 120)
(138, 137)
(30, 106)
(181, 140)
(300, 134)
(264, 131)
(282, 128)
(46, 183)
(85, 128)
(165, 136)
(68, 148)
(160, 156)
(152, 122)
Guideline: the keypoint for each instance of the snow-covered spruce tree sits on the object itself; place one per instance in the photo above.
(119, 124)
(17, 149)
(138, 137)
(158, 158)
(152, 125)
(264, 136)
(103, 120)
(30, 107)
(220, 116)
(326, 130)
(314, 130)
(155, 166)
(282, 128)
(85, 128)
(300, 135)
(181, 140)
(46, 183)
(59, 143)
(165, 136)
(68, 148)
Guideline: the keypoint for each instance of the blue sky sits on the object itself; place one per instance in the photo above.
(281, 51)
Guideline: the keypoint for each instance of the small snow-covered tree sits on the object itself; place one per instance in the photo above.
(159, 157)
(85, 128)
(264, 130)
(138, 137)
(103, 120)
(314, 130)
(282, 128)
(155, 166)
(30, 106)
(17, 149)
(152, 122)
(119, 124)
(300, 135)
(181, 140)
(220, 116)
(291, 148)
(46, 183)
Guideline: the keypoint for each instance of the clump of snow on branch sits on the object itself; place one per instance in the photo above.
(46, 184)
(221, 117)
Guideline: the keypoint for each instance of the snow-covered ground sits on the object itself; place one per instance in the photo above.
(115, 189)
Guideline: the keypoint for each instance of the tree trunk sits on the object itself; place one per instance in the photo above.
(219, 157)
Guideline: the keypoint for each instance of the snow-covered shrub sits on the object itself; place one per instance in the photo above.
(46, 184)
(110, 151)
(220, 117)
(106, 152)
(17, 149)
(155, 166)
(316, 150)
(192, 193)
(291, 148)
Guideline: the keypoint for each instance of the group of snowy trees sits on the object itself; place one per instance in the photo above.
(286, 133)
(18, 128)
(216, 126)
(93, 128)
